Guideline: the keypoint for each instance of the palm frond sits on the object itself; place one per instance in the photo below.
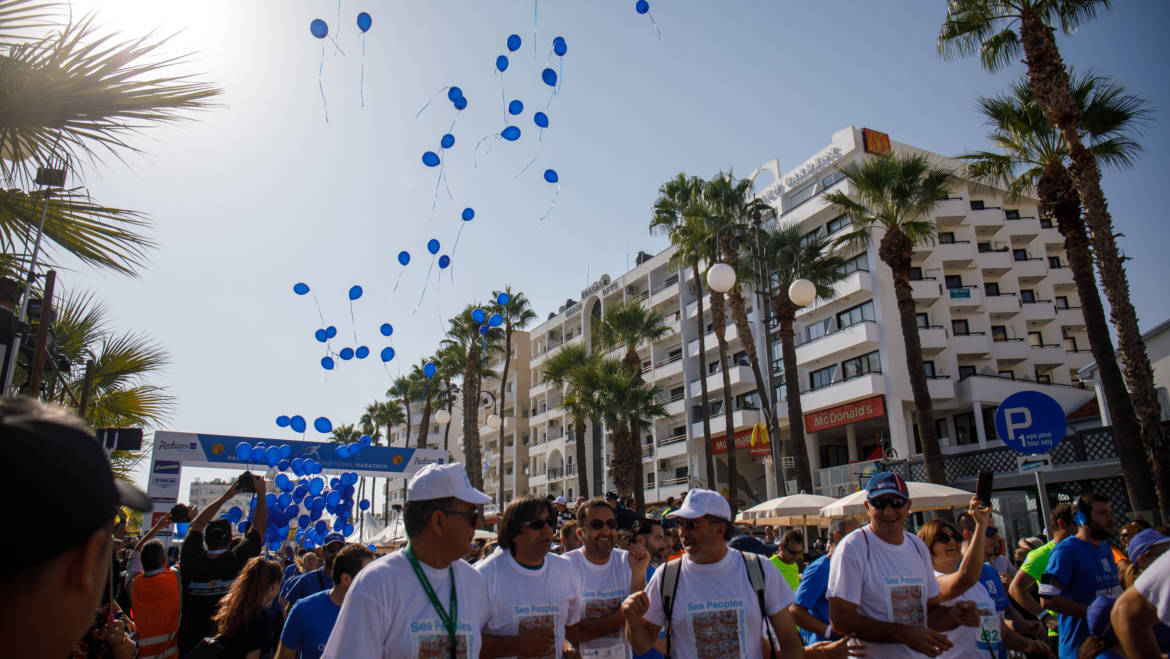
(124, 359)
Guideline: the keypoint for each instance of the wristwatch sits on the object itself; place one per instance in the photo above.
(1043, 615)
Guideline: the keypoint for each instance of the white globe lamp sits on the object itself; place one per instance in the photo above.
(721, 277)
(494, 421)
(802, 292)
(442, 417)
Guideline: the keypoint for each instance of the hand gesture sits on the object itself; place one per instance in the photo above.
(258, 484)
(966, 614)
(927, 641)
(635, 606)
(980, 511)
(639, 558)
(1052, 623)
(838, 649)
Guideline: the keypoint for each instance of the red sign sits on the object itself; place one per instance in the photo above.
(743, 440)
(155, 517)
(843, 415)
(875, 142)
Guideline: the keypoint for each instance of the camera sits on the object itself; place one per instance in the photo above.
(179, 514)
(245, 482)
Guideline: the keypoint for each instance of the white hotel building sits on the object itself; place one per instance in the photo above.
(998, 314)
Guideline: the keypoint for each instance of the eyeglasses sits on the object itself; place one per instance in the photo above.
(945, 537)
(537, 524)
(471, 515)
(991, 531)
(796, 552)
(598, 524)
(692, 524)
(897, 503)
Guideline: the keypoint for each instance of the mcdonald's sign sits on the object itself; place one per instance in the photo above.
(875, 142)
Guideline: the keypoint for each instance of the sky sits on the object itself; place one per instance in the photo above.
(292, 179)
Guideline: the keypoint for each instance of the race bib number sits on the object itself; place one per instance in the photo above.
(989, 631)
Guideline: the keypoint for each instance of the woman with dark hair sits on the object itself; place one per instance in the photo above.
(243, 625)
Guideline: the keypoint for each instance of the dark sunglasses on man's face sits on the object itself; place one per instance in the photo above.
(692, 524)
(598, 524)
(471, 515)
(897, 503)
(537, 524)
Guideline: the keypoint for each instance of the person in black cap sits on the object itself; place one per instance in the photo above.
(49, 596)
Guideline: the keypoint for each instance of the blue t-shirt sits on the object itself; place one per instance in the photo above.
(308, 584)
(814, 585)
(309, 624)
(990, 580)
(290, 571)
(1084, 573)
(652, 654)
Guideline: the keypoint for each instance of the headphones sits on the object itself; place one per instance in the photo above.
(1079, 518)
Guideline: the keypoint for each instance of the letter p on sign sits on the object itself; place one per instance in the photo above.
(1035, 412)
(1017, 418)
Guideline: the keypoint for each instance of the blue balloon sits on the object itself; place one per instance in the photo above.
(321, 335)
(430, 159)
(365, 440)
(335, 482)
(387, 354)
(559, 46)
(354, 449)
(283, 482)
(321, 526)
(454, 94)
(331, 331)
(181, 529)
(514, 42)
(403, 257)
(364, 22)
(315, 486)
(496, 320)
(503, 298)
(540, 119)
(511, 133)
(549, 77)
(285, 450)
(502, 63)
(327, 364)
(303, 521)
(301, 490)
(433, 246)
(341, 451)
(297, 423)
(468, 214)
(448, 141)
(550, 175)
(347, 530)
(243, 527)
(282, 421)
(271, 456)
(362, 352)
(355, 292)
(386, 329)
(300, 288)
(322, 425)
(460, 104)
(642, 6)
(334, 497)
(516, 107)
(270, 499)
(483, 329)
(319, 28)
(346, 354)
(338, 524)
(364, 504)
(478, 315)
(282, 465)
(235, 514)
(283, 501)
(444, 261)
(429, 370)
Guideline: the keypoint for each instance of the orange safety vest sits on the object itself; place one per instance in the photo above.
(154, 608)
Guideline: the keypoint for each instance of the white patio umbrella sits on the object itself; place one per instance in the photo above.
(923, 496)
(792, 510)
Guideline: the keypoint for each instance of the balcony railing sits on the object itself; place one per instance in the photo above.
(556, 473)
(670, 281)
(647, 450)
(539, 471)
(673, 439)
(669, 360)
(665, 482)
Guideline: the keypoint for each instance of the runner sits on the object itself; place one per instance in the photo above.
(1032, 570)
(311, 620)
(787, 558)
(421, 601)
(318, 580)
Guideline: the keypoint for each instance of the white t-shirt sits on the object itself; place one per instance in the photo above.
(523, 600)
(1003, 566)
(603, 589)
(982, 641)
(890, 583)
(387, 613)
(1154, 585)
(716, 612)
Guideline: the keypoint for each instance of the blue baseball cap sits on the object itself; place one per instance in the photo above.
(750, 544)
(333, 537)
(1098, 615)
(1143, 541)
(885, 482)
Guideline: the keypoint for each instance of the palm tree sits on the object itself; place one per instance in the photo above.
(678, 213)
(566, 370)
(466, 333)
(427, 394)
(793, 256)
(988, 27)
(517, 314)
(403, 389)
(450, 359)
(1032, 156)
(345, 433)
(897, 193)
(388, 414)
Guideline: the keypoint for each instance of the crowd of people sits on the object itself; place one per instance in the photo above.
(589, 579)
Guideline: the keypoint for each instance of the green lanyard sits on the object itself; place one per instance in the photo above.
(449, 621)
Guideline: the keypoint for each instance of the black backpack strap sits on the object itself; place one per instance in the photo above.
(321, 580)
(669, 585)
(756, 577)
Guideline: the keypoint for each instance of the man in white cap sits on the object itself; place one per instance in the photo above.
(423, 600)
(721, 601)
(563, 512)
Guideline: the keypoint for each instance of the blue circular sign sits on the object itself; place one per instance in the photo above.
(1030, 422)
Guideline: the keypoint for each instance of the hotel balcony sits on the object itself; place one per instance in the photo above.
(965, 297)
(941, 387)
(1070, 317)
(1031, 269)
(1039, 312)
(1010, 349)
(1023, 230)
(713, 343)
(1061, 276)
(973, 344)
(862, 335)
(1004, 304)
(741, 418)
(927, 288)
(668, 366)
(664, 291)
(994, 261)
(988, 217)
(959, 254)
(843, 390)
(673, 445)
(1047, 354)
(856, 287)
(737, 374)
(933, 338)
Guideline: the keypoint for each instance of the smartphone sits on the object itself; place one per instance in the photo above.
(179, 514)
(245, 481)
(983, 487)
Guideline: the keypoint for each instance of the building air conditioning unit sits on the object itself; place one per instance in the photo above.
(663, 465)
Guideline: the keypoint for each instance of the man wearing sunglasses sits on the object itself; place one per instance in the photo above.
(714, 610)
(607, 575)
(882, 587)
(534, 595)
(311, 583)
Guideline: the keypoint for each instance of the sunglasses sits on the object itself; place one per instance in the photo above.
(599, 524)
(537, 524)
(897, 503)
(991, 531)
(945, 537)
(692, 524)
(471, 515)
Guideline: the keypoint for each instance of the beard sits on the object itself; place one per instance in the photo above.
(1099, 533)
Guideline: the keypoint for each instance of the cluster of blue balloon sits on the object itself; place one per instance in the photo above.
(320, 29)
(325, 334)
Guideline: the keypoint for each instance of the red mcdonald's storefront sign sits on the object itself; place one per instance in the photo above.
(743, 441)
(843, 415)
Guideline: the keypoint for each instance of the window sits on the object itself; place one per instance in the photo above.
(999, 333)
(976, 205)
(983, 247)
(1062, 302)
(959, 327)
(830, 180)
(740, 359)
(800, 196)
(1011, 375)
(989, 421)
(858, 366)
(1045, 223)
(965, 431)
(1011, 213)
(916, 273)
(1019, 255)
(713, 368)
(680, 472)
(822, 377)
(946, 237)
(815, 233)
(954, 281)
(1043, 377)
(928, 366)
(859, 262)
(966, 371)
(650, 479)
(991, 288)
(1054, 262)
(1027, 295)
(834, 455)
(1035, 339)
(748, 401)
(923, 320)
(817, 330)
(858, 314)
(836, 224)
(1070, 343)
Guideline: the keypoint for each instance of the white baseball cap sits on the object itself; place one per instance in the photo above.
(561, 500)
(700, 502)
(439, 481)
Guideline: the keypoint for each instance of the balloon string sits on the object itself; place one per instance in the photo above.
(428, 103)
(457, 234)
(362, 86)
(552, 205)
(534, 14)
(655, 24)
(503, 102)
(353, 323)
(488, 152)
(321, 84)
(528, 165)
(426, 282)
(318, 304)
(398, 281)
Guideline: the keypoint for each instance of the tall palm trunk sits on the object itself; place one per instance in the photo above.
(626, 465)
(471, 389)
(424, 422)
(582, 456)
(707, 456)
(798, 448)
(1049, 81)
(447, 430)
(503, 400)
(895, 250)
(719, 319)
(1059, 202)
(633, 364)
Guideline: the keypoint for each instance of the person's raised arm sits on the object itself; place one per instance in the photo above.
(207, 514)
(260, 515)
(165, 521)
(960, 581)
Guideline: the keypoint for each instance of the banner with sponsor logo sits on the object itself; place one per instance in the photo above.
(743, 442)
(843, 415)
